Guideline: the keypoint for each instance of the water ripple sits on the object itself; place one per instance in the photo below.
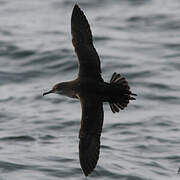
(39, 135)
(18, 138)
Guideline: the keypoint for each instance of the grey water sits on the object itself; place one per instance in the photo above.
(39, 135)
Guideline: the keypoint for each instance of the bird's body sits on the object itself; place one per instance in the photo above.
(90, 88)
(107, 92)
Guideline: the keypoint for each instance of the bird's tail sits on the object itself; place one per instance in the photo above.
(121, 101)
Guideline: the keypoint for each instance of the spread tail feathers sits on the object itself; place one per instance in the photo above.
(121, 101)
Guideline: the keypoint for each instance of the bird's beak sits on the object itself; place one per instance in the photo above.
(51, 91)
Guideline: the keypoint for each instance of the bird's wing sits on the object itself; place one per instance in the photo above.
(90, 132)
(89, 62)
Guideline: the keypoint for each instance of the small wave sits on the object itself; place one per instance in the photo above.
(138, 2)
(59, 159)
(159, 86)
(173, 55)
(44, 57)
(12, 51)
(6, 100)
(18, 138)
(113, 174)
(147, 19)
(64, 125)
(124, 125)
(170, 25)
(142, 74)
(10, 77)
(7, 166)
(175, 158)
(47, 137)
(163, 98)
(106, 147)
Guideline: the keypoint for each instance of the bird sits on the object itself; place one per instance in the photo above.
(91, 90)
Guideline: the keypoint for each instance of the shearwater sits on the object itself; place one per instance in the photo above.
(90, 88)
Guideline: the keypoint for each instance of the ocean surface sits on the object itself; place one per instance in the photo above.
(39, 135)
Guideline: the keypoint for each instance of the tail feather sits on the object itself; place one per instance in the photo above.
(122, 100)
(114, 76)
(120, 106)
(114, 107)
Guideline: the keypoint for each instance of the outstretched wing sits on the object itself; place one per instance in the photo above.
(90, 132)
(89, 63)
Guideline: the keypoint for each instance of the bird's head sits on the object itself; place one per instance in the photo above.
(59, 88)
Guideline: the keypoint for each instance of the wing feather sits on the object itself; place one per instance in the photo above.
(90, 132)
(89, 62)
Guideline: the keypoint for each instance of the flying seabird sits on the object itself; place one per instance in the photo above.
(90, 88)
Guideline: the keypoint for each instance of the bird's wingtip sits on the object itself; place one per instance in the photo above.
(85, 172)
(76, 6)
(76, 10)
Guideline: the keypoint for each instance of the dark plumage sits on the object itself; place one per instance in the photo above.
(92, 91)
